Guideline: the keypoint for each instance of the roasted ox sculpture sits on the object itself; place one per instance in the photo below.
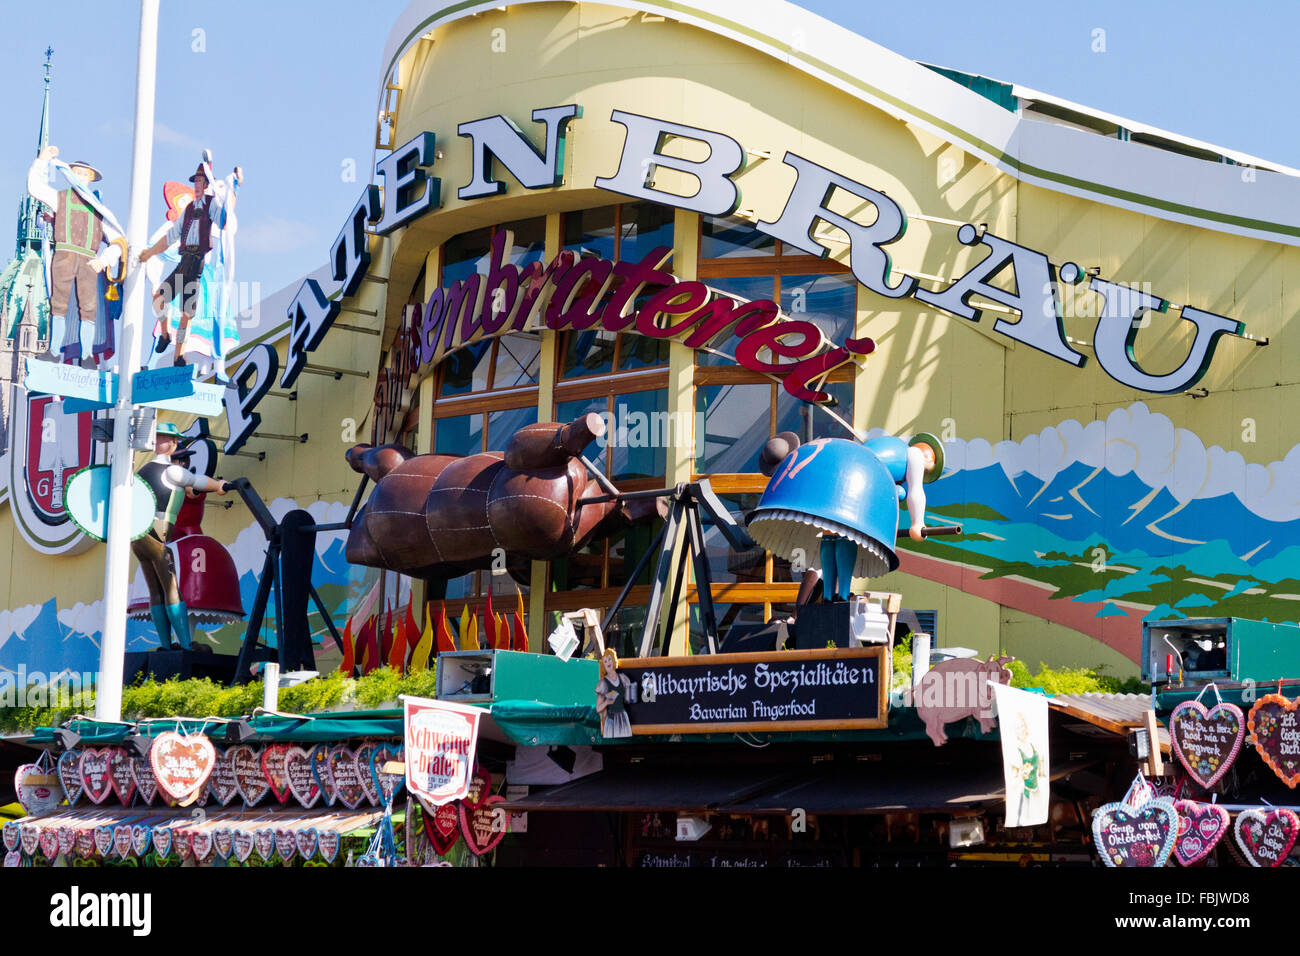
(441, 516)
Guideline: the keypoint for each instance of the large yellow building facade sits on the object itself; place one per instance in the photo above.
(1100, 479)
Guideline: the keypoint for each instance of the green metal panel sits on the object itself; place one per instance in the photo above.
(519, 676)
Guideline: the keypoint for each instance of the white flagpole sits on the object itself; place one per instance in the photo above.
(117, 560)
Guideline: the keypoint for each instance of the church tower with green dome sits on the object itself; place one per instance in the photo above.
(24, 297)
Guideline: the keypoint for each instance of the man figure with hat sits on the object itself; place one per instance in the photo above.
(199, 233)
(81, 226)
(168, 479)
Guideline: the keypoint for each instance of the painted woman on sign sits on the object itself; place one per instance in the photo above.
(612, 693)
(1029, 768)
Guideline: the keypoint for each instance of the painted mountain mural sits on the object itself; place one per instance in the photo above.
(1100, 526)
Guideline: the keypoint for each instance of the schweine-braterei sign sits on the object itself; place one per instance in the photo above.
(823, 689)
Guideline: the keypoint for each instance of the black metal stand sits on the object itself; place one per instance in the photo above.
(683, 518)
(290, 552)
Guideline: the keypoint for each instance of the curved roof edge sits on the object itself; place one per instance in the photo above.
(1260, 204)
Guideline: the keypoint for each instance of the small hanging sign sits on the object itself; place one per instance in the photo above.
(1275, 733)
(441, 739)
(1207, 741)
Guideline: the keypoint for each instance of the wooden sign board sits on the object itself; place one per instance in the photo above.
(821, 689)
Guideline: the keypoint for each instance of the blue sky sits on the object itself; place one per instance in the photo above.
(288, 88)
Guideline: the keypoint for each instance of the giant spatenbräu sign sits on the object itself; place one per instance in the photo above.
(409, 191)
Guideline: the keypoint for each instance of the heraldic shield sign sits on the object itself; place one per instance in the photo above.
(49, 445)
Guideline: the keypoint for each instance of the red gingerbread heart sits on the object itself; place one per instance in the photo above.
(275, 771)
(201, 843)
(85, 845)
(1266, 836)
(93, 768)
(1275, 731)
(181, 764)
(1200, 828)
(49, 843)
(485, 824)
(442, 826)
(183, 841)
(297, 764)
(120, 772)
(1206, 742)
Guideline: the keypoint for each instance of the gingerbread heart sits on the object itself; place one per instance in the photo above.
(13, 858)
(221, 783)
(264, 842)
(246, 765)
(37, 789)
(242, 843)
(386, 783)
(363, 773)
(1200, 827)
(146, 784)
(1206, 742)
(103, 840)
(223, 841)
(162, 841)
(85, 845)
(182, 842)
(1142, 836)
(442, 826)
(120, 772)
(297, 765)
(67, 840)
(70, 775)
(93, 768)
(122, 842)
(306, 839)
(285, 844)
(1265, 837)
(347, 780)
(275, 771)
(181, 763)
(327, 844)
(484, 825)
(320, 771)
(141, 837)
(11, 834)
(49, 843)
(201, 844)
(1275, 732)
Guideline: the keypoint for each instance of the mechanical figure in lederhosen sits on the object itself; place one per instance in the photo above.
(168, 481)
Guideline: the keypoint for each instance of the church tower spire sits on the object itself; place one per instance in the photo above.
(29, 210)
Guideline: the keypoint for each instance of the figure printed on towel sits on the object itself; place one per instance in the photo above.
(88, 243)
(170, 481)
(201, 273)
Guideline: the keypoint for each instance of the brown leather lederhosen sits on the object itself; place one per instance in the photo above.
(184, 279)
(78, 232)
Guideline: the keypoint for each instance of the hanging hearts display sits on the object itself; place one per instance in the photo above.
(38, 789)
(246, 765)
(306, 839)
(386, 784)
(1200, 828)
(441, 826)
(321, 773)
(85, 844)
(146, 784)
(181, 763)
(275, 771)
(70, 776)
(120, 772)
(264, 842)
(221, 782)
(141, 837)
(297, 766)
(242, 843)
(1206, 742)
(368, 786)
(94, 773)
(67, 840)
(1265, 837)
(49, 843)
(347, 781)
(162, 841)
(103, 840)
(223, 841)
(1274, 732)
(31, 838)
(11, 834)
(1141, 836)
(327, 844)
(485, 824)
(122, 840)
(201, 843)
